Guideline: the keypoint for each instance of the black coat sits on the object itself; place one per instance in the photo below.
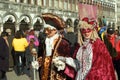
(72, 39)
(4, 55)
(109, 46)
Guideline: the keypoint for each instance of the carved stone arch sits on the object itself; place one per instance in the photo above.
(10, 15)
(9, 21)
(26, 18)
(38, 23)
(24, 23)
(37, 18)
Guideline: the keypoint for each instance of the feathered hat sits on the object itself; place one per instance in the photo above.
(90, 21)
(53, 20)
(87, 23)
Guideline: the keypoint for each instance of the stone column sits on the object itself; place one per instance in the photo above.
(39, 2)
(17, 26)
(17, 1)
(1, 27)
(25, 1)
(31, 25)
(44, 3)
(32, 2)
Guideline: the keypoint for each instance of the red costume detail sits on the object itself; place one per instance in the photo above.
(86, 19)
(63, 49)
(102, 66)
(116, 45)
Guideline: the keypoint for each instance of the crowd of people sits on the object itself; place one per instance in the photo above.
(59, 52)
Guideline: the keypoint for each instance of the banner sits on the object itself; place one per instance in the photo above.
(86, 10)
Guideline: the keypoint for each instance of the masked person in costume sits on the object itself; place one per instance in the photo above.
(54, 45)
(91, 60)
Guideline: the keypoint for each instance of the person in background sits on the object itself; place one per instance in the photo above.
(41, 39)
(71, 37)
(91, 60)
(113, 45)
(30, 35)
(19, 44)
(11, 51)
(5, 37)
(29, 55)
(4, 56)
(101, 32)
(104, 21)
(33, 43)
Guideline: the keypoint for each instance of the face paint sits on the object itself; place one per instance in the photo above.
(83, 31)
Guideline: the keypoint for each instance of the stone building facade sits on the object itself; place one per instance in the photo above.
(24, 14)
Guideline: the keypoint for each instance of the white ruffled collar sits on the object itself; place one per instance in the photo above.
(49, 44)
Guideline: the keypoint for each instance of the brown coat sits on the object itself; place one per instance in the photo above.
(48, 70)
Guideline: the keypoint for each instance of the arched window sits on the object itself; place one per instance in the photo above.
(24, 25)
(38, 26)
(66, 4)
(9, 24)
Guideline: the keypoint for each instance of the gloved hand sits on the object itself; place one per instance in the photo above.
(60, 65)
(35, 64)
(67, 60)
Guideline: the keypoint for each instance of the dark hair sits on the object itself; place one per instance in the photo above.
(3, 34)
(18, 34)
(110, 30)
(22, 33)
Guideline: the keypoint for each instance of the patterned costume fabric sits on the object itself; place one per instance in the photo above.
(48, 70)
(100, 67)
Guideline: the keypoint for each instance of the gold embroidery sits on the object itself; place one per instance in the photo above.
(49, 72)
(46, 68)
